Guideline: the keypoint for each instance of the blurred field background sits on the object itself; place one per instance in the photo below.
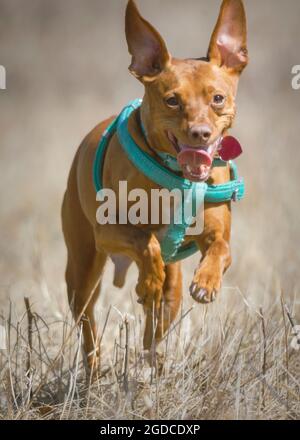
(66, 65)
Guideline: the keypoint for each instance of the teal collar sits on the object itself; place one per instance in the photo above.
(169, 161)
(172, 247)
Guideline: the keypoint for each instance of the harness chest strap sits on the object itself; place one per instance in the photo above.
(171, 245)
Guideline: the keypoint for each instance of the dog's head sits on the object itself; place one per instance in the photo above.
(189, 104)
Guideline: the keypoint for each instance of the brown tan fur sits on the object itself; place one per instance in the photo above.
(195, 82)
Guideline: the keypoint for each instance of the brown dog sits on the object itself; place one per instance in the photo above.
(187, 102)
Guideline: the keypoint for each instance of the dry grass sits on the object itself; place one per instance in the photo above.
(238, 364)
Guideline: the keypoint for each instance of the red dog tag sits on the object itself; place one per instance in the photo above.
(230, 148)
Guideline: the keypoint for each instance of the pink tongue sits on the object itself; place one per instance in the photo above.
(194, 158)
(230, 148)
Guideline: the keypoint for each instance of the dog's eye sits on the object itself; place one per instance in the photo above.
(218, 100)
(172, 101)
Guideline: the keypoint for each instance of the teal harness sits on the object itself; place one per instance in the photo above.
(195, 194)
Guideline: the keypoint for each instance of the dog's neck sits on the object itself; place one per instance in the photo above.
(156, 139)
(139, 128)
(135, 130)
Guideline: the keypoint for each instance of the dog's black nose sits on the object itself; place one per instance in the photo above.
(201, 133)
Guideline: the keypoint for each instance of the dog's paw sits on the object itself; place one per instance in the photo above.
(202, 296)
(149, 290)
(206, 285)
(151, 278)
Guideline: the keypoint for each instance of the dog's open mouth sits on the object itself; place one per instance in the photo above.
(195, 161)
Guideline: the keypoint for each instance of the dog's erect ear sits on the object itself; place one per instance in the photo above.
(148, 49)
(228, 44)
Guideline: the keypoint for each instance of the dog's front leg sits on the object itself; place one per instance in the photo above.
(144, 249)
(215, 249)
